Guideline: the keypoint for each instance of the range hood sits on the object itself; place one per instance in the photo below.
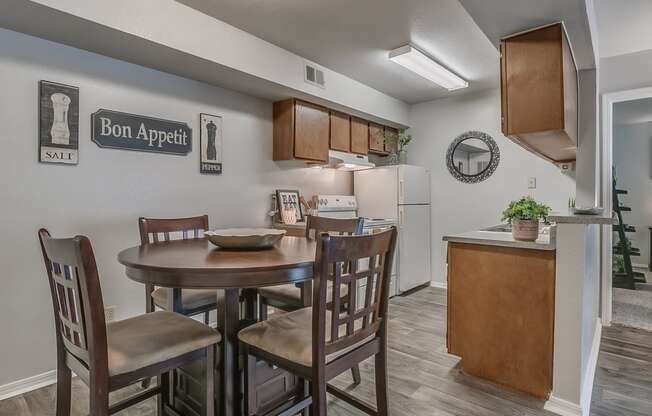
(348, 161)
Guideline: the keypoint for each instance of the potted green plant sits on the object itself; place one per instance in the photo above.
(402, 140)
(524, 215)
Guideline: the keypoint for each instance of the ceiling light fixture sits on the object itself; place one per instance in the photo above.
(416, 61)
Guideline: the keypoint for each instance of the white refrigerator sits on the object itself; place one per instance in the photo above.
(400, 192)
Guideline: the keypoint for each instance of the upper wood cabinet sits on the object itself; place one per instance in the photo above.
(392, 140)
(376, 138)
(539, 92)
(301, 131)
(340, 135)
(359, 136)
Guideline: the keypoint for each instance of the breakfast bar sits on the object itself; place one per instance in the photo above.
(516, 308)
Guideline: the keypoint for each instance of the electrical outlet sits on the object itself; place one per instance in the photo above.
(532, 182)
(109, 313)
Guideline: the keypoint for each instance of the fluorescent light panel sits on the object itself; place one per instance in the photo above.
(414, 60)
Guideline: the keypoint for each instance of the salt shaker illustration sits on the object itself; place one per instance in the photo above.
(211, 151)
(60, 132)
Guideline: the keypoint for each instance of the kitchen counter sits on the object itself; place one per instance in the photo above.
(504, 239)
(570, 218)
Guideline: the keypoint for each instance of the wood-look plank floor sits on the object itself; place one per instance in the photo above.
(425, 381)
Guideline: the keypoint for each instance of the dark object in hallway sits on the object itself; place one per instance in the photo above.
(110, 357)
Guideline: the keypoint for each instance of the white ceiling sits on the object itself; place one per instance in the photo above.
(355, 37)
(624, 26)
(633, 112)
(499, 18)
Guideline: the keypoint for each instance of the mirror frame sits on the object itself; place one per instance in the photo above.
(493, 162)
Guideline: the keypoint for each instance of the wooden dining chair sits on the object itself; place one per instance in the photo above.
(110, 357)
(290, 297)
(188, 302)
(318, 343)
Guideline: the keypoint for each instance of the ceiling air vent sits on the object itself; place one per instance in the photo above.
(314, 75)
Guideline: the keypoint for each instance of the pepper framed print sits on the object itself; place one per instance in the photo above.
(210, 143)
(58, 123)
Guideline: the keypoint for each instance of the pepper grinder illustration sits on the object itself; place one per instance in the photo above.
(211, 152)
(60, 132)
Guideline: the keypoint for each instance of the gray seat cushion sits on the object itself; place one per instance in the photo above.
(291, 295)
(153, 338)
(190, 298)
(289, 336)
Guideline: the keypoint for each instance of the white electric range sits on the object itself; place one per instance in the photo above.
(346, 206)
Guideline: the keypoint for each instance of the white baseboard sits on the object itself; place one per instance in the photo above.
(440, 285)
(28, 384)
(566, 408)
(562, 407)
(587, 387)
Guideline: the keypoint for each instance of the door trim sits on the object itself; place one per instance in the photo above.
(608, 101)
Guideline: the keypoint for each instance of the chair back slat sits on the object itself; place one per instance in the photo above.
(339, 263)
(343, 226)
(76, 296)
(155, 230)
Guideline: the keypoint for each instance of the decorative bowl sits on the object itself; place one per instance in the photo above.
(245, 238)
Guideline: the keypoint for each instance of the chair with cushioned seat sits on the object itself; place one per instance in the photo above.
(108, 357)
(189, 302)
(318, 343)
(290, 297)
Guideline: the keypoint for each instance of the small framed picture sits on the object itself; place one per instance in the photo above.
(210, 143)
(289, 199)
(58, 123)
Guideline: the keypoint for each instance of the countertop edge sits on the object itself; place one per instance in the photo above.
(488, 241)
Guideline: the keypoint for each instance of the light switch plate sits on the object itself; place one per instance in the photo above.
(109, 313)
(531, 182)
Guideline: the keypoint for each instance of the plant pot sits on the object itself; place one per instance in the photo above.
(525, 230)
(402, 157)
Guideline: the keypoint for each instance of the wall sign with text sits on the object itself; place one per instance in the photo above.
(116, 130)
(58, 123)
(210, 142)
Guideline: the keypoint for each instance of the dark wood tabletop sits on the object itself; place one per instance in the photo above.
(200, 264)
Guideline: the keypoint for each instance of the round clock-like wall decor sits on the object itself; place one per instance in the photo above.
(472, 157)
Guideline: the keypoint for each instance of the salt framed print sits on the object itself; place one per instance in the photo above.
(210, 143)
(289, 199)
(58, 123)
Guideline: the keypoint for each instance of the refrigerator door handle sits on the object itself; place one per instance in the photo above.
(400, 191)
(400, 217)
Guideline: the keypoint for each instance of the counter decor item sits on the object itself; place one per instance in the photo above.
(289, 200)
(399, 142)
(58, 123)
(210, 143)
(472, 157)
(288, 216)
(245, 238)
(524, 215)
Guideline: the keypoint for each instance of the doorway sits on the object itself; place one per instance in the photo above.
(627, 190)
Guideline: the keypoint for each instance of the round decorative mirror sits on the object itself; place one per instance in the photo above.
(472, 157)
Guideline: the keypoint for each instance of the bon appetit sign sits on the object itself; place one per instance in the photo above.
(118, 130)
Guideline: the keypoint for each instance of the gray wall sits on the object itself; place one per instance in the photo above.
(625, 72)
(632, 159)
(459, 207)
(104, 195)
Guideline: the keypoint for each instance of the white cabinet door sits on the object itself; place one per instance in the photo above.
(414, 246)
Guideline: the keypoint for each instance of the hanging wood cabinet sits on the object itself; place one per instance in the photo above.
(301, 131)
(306, 131)
(539, 91)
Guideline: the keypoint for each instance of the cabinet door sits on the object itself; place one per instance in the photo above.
(376, 139)
(311, 132)
(359, 136)
(392, 135)
(340, 132)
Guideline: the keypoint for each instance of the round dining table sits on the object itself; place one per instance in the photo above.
(198, 264)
